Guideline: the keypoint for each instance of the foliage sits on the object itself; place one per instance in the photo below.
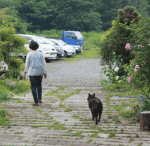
(79, 15)
(65, 14)
(49, 33)
(7, 20)
(138, 68)
(140, 65)
(115, 40)
(138, 74)
(10, 43)
(109, 11)
(9, 87)
(16, 65)
(3, 117)
(128, 14)
(142, 6)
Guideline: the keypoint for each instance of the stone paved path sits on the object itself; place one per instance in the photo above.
(51, 124)
(68, 122)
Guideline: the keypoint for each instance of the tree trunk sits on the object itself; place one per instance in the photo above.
(145, 121)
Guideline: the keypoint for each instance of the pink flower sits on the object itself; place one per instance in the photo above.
(128, 46)
(145, 62)
(141, 46)
(136, 68)
(129, 79)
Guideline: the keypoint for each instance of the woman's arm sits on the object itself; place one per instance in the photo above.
(26, 66)
(45, 75)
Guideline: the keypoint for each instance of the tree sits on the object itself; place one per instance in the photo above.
(9, 43)
(113, 46)
(12, 11)
(142, 6)
(109, 11)
(63, 14)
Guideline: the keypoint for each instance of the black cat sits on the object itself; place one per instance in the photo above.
(95, 106)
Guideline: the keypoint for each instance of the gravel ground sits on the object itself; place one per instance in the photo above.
(83, 73)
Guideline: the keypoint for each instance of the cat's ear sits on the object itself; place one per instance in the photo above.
(89, 94)
(94, 94)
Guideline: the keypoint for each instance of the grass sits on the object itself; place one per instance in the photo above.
(39, 111)
(77, 133)
(59, 93)
(55, 126)
(89, 141)
(68, 110)
(111, 134)
(54, 92)
(61, 105)
(112, 90)
(10, 87)
(94, 135)
(123, 90)
(4, 119)
(116, 119)
(63, 97)
(76, 117)
(140, 144)
(131, 139)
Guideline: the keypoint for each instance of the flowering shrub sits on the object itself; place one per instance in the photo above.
(113, 74)
(138, 74)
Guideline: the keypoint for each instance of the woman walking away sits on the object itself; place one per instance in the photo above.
(35, 65)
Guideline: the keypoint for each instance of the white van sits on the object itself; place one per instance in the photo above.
(48, 51)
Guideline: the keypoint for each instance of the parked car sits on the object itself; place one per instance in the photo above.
(68, 51)
(48, 51)
(72, 38)
(78, 49)
(60, 52)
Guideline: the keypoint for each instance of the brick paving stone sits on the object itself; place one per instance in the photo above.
(50, 125)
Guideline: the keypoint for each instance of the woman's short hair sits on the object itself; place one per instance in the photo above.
(33, 45)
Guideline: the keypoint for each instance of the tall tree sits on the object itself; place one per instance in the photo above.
(109, 11)
(142, 6)
(60, 14)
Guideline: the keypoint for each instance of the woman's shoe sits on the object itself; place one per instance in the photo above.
(35, 104)
(40, 101)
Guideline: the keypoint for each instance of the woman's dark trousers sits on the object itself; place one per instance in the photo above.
(36, 87)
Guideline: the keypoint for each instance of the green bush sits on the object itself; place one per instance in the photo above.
(16, 65)
(17, 86)
(116, 38)
(9, 87)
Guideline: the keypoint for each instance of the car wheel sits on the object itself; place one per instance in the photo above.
(47, 60)
(65, 54)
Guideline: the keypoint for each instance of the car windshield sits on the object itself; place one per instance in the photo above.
(79, 35)
(28, 39)
(62, 42)
(56, 42)
(47, 41)
(38, 40)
